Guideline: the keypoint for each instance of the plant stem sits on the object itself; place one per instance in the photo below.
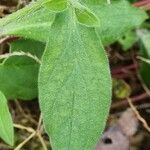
(134, 99)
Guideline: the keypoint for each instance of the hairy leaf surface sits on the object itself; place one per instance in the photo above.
(94, 2)
(86, 17)
(116, 19)
(74, 85)
(30, 22)
(56, 5)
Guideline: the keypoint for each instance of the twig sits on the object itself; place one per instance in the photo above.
(124, 69)
(146, 7)
(143, 59)
(29, 129)
(141, 3)
(144, 4)
(24, 114)
(143, 106)
(42, 141)
(39, 123)
(140, 118)
(33, 132)
(25, 141)
(8, 39)
(39, 133)
(123, 75)
(134, 99)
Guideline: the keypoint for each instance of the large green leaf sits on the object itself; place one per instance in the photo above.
(6, 123)
(116, 19)
(74, 85)
(18, 74)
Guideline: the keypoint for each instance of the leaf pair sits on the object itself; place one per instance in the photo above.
(34, 21)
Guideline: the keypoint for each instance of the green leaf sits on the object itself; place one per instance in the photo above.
(18, 77)
(86, 17)
(94, 2)
(56, 5)
(27, 45)
(144, 36)
(121, 89)
(116, 19)
(31, 22)
(128, 40)
(18, 74)
(74, 85)
(6, 123)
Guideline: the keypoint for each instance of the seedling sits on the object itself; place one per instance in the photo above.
(74, 81)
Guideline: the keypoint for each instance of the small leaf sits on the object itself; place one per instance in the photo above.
(128, 40)
(6, 123)
(56, 5)
(121, 89)
(86, 17)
